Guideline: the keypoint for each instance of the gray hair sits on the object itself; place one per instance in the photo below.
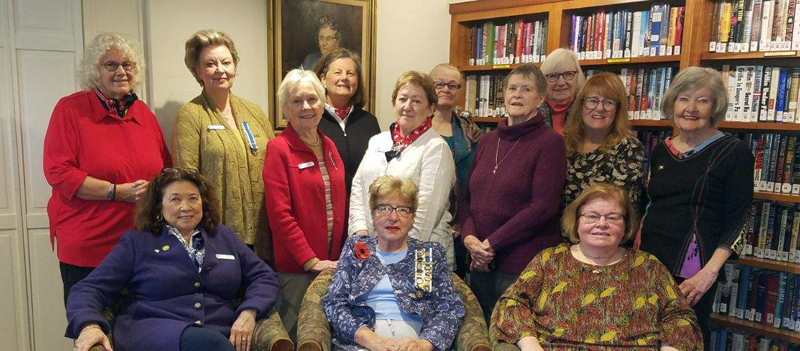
(89, 73)
(326, 21)
(560, 57)
(450, 67)
(202, 39)
(694, 78)
(295, 78)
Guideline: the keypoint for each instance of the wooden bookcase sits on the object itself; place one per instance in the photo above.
(697, 28)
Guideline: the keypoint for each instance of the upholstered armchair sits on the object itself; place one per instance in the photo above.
(314, 333)
(269, 335)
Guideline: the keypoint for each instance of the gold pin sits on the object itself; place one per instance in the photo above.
(165, 247)
(157, 250)
(419, 294)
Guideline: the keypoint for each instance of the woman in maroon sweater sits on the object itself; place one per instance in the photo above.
(511, 205)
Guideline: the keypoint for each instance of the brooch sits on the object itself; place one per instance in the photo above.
(423, 270)
(361, 250)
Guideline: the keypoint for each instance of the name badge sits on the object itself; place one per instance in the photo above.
(225, 257)
(305, 165)
(216, 127)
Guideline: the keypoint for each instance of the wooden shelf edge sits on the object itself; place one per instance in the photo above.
(758, 328)
(632, 61)
(478, 68)
(480, 6)
(768, 264)
(651, 123)
(760, 126)
(713, 56)
(486, 119)
(776, 197)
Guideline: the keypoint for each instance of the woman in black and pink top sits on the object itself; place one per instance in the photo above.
(700, 188)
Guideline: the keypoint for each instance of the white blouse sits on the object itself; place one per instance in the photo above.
(428, 162)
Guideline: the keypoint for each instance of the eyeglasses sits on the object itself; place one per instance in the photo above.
(452, 86)
(591, 103)
(613, 218)
(568, 75)
(112, 66)
(384, 210)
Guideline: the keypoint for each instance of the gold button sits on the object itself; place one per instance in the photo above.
(198, 322)
(197, 305)
(197, 285)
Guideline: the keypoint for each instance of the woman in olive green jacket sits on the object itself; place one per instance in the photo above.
(225, 137)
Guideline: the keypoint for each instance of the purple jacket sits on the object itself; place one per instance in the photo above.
(516, 208)
(166, 293)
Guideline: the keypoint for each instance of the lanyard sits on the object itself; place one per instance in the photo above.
(250, 139)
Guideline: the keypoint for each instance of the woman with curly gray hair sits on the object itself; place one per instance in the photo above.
(101, 145)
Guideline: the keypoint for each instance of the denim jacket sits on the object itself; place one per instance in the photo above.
(441, 309)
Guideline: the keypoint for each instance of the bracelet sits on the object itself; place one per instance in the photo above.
(91, 326)
(112, 192)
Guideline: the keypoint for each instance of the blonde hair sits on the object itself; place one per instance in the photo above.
(419, 79)
(390, 185)
(293, 79)
(561, 57)
(609, 86)
(569, 221)
(694, 78)
(89, 73)
(202, 39)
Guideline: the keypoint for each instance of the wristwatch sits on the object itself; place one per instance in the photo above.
(112, 192)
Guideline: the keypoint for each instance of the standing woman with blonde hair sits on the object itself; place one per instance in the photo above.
(101, 147)
(601, 147)
(564, 78)
(224, 137)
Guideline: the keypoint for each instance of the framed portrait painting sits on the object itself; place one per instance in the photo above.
(304, 30)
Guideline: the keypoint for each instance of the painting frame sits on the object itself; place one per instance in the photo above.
(289, 40)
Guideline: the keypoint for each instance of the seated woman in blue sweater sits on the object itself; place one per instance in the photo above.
(392, 292)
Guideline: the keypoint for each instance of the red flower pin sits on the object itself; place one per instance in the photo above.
(362, 251)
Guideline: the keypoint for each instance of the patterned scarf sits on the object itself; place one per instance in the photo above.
(196, 247)
(117, 108)
(400, 142)
(343, 112)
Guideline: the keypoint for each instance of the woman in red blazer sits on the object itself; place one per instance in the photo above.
(305, 194)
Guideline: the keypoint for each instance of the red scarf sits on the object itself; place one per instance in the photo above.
(400, 142)
(343, 112)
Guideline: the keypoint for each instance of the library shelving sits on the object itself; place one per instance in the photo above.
(757, 328)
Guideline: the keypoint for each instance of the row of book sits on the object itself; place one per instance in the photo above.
(511, 42)
(777, 162)
(732, 340)
(645, 87)
(755, 25)
(624, 33)
(484, 95)
(762, 93)
(772, 230)
(759, 295)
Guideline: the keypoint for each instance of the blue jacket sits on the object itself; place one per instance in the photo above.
(166, 293)
(441, 309)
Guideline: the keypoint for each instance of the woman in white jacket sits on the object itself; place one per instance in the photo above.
(411, 149)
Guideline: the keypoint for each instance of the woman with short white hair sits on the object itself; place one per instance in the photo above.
(304, 188)
(564, 78)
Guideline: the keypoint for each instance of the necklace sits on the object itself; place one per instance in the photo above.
(312, 144)
(497, 152)
(598, 267)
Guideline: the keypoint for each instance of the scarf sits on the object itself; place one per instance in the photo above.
(400, 142)
(117, 108)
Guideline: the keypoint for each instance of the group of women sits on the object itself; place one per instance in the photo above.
(393, 213)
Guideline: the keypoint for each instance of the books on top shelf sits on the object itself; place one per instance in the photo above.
(777, 162)
(772, 231)
(762, 296)
(761, 93)
(755, 25)
(625, 34)
(644, 87)
(510, 42)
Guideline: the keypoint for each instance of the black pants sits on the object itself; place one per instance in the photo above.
(488, 287)
(462, 257)
(703, 310)
(70, 275)
(202, 339)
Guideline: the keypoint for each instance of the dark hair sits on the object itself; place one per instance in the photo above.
(148, 210)
(324, 64)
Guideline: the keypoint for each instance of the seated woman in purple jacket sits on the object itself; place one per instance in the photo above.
(392, 292)
(182, 271)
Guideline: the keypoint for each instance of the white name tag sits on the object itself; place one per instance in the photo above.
(305, 165)
(216, 127)
(225, 257)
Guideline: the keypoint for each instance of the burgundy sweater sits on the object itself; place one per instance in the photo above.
(516, 208)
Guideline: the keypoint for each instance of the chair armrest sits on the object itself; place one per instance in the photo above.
(313, 330)
(473, 334)
(270, 334)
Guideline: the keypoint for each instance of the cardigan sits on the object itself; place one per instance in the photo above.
(295, 197)
(466, 135)
(516, 208)
(84, 139)
(441, 309)
(570, 305)
(226, 159)
(351, 142)
(427, 162)
(621, 164)
(165, 291)
(707, 194)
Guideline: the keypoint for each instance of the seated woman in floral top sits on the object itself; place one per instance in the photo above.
(600, 145)
(392, 292)
(595, 294)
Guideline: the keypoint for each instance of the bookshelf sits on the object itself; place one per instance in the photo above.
(698, 28)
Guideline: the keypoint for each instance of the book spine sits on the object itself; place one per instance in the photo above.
(744, 287)
(715, 26)
(766, 25)
(777, 317)
(755, 27)
(673, 23)
(780, 101)
(628, 34)
(771, 300)
(656, 14)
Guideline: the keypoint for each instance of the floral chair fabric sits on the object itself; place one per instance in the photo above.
(314, 333)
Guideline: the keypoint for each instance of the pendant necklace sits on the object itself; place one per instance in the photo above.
(497, 152)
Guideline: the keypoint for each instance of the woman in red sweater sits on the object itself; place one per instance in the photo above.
(564, 79)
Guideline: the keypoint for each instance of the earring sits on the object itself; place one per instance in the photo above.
(160, 217)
